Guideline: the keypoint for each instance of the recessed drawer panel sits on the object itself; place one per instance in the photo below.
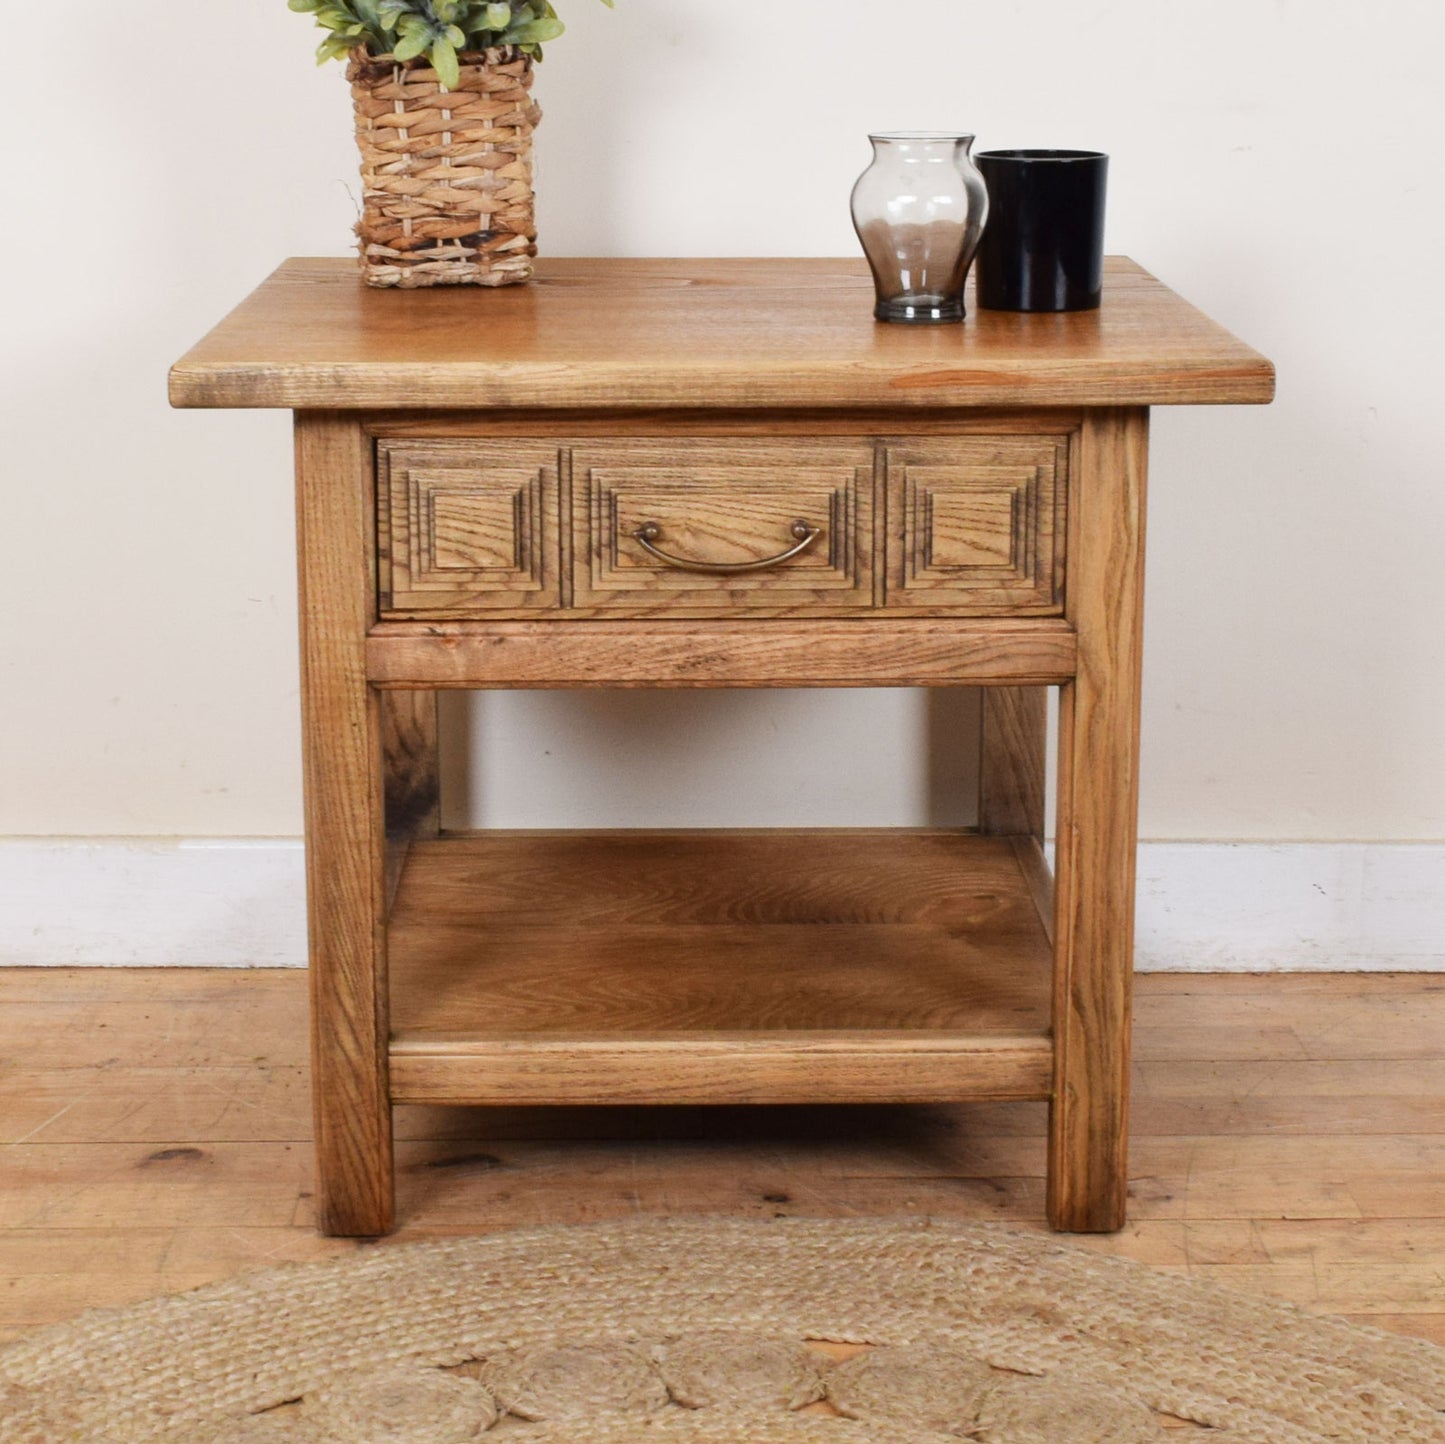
(707, 526)
(977, 525)
(467, 528)
(686, 527)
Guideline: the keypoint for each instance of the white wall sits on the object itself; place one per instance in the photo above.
(1278, 161)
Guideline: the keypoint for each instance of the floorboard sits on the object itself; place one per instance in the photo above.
(1289, 1139)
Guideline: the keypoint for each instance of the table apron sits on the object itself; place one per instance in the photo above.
(865, 653)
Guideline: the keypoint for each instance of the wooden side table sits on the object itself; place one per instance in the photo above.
(716, 474)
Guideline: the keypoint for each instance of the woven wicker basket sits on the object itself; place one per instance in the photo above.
(447, 173)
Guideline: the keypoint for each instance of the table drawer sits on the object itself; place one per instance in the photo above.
(709, 526)
(702, 526)
(466, 529)
(977, 525)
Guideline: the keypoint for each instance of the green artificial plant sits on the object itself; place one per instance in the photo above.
(438, 29)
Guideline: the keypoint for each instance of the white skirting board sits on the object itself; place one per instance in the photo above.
(1202, 907)
(152, 902)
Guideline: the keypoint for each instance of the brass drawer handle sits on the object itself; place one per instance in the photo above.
(649, 532)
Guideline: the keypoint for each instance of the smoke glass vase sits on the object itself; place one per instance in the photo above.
(919, 210)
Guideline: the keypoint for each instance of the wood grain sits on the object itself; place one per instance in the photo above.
(1097, 828)
(467, 530)
(1012, 762)
(729, 501)
(409, 762)
(976, 524)
(497, 936)
(411, 774)
(345, 826)
(744, 1068)
(1039, 877)
(717, 967)
(1012, 784)
(867, 652)
(696, 420)
(605, 880)
(459, 978)
(664, 333)
(522, 436)
(106, 1069)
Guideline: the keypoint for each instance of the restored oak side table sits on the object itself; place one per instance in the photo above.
(670, 473)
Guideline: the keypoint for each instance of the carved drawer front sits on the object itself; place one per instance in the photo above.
(467, 528)
(977, 525)
(698, 527)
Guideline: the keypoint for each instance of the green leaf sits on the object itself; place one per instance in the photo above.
(533, 31)
(441, 28)
(410, 46)
(339, 19)
(332, 48)
(444, 62)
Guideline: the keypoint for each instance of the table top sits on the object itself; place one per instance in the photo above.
(697, 334)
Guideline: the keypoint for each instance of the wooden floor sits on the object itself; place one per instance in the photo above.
(1289, 1138)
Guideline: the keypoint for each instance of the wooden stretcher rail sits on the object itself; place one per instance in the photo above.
(741, 1068)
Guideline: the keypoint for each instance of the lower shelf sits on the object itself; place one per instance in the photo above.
(717, 967)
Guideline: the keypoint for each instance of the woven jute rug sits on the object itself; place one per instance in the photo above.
(706, 1329)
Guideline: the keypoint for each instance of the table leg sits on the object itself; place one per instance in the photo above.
(345, 818)
(1097, 827)
(1011, 772)
(1011, 783)
(409, 767)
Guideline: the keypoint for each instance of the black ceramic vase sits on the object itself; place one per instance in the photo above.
(1043, 249)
